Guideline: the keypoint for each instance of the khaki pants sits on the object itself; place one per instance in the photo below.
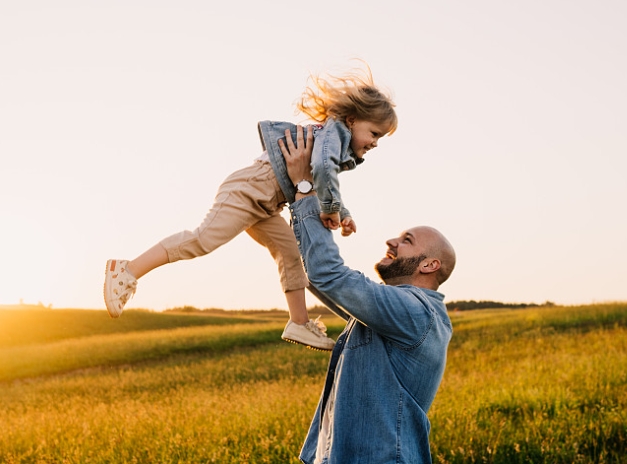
(248, 200)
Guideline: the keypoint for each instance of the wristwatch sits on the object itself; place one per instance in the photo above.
(304, 187)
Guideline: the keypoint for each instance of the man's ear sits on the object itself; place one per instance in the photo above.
(429, 265)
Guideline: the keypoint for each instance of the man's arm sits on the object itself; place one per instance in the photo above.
(396, 312)
(401, 313)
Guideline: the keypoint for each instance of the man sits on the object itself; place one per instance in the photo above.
(388, 362)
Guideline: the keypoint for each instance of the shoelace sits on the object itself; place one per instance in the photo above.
(129, 291)
(317, 327)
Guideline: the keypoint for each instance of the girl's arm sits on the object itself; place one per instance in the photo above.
(326, 159)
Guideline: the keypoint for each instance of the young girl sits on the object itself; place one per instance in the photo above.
(352, 115)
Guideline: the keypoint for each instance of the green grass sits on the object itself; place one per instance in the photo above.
(43, 326)
(223, 408)
(542, 385)
(535, 386)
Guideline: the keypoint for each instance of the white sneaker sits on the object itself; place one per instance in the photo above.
(313, 335)
(119, 286)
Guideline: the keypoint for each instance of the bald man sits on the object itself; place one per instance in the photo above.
(388, 362)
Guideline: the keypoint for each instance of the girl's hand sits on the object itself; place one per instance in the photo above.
(331, 220)
(348, 226)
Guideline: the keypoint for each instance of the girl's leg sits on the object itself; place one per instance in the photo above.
(239, 203)
(148, 260)
(121, 277)
(297, 306)
(277, 236)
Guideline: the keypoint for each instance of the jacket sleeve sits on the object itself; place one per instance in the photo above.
(325, 163)
(344, 212)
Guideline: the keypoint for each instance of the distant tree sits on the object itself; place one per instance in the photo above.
(466, 305)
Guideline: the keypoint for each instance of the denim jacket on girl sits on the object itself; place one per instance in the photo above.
(331, 155)
(386, 366)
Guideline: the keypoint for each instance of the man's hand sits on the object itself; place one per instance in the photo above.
(330, 220)
(298, 158)
(348, 226)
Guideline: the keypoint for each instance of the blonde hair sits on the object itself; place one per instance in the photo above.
(351, 94)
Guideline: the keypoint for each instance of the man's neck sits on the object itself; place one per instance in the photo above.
(410, 280)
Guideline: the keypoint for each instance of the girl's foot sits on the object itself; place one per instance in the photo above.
(312, 334)
(119, 286)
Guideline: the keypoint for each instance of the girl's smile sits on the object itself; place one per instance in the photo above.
(365, 134)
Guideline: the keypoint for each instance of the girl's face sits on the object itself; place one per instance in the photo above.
(365, 134)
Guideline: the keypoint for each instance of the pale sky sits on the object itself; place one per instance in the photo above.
(119, 120)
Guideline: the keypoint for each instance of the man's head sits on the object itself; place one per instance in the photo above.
(421, 256)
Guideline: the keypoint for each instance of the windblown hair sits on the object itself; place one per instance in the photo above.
(351, 94)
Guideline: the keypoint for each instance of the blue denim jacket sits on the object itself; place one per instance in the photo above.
(331, 155)
(387, 364)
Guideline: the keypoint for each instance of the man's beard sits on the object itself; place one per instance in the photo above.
(400, 267)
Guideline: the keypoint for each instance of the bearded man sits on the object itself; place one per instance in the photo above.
(388, 362)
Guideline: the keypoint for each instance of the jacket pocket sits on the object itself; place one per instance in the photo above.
(359, 336)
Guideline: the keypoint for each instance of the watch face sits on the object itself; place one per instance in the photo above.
(304, 186)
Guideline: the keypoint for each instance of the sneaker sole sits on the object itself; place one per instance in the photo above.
(309, 347)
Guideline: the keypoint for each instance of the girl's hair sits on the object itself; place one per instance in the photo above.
(351, 94)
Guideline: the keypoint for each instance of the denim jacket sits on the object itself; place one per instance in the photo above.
(387, 364)
(331, 155)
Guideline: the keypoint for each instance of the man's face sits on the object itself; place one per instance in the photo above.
(404, 255)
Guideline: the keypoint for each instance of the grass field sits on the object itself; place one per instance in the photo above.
(545, 385)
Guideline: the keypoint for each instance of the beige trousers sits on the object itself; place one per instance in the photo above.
(248, 200)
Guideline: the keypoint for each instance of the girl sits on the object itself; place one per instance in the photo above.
(352, 114)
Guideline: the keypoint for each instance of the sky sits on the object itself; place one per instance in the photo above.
(120, 119)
